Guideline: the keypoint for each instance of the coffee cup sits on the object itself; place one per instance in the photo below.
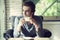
(27, 18)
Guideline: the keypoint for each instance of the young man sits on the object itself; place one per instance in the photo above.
(29, 24)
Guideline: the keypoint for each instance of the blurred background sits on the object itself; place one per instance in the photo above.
(49, 9)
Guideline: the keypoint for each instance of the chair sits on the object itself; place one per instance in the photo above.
(9, 33)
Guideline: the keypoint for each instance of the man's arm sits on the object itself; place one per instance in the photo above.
(17, 29)
(34, 22)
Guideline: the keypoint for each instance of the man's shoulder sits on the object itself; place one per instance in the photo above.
(38, 17)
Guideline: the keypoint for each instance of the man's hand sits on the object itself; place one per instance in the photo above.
(33, 21)
(21, 22)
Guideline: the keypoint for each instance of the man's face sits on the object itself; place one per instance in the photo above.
(27, 11)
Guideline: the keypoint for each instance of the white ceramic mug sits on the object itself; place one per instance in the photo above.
(26, 18)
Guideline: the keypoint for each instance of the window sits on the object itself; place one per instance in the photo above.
(49, 9)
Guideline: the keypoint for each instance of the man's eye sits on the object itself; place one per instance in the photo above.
(27, 11)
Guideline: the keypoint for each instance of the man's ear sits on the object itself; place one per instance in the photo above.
(32, 13)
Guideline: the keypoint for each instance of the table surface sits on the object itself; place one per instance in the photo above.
(28, 38)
